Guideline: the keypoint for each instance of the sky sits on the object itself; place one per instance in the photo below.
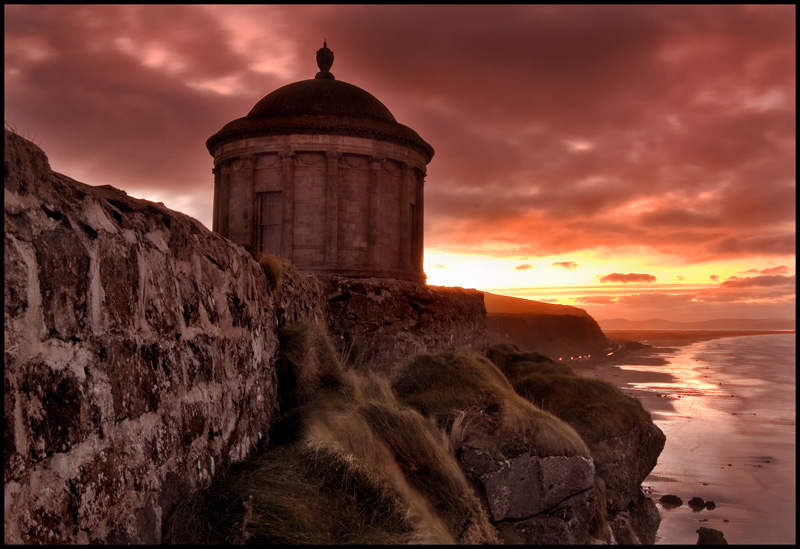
(635, 161)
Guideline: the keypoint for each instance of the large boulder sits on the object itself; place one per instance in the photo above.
(624, 461)
(533, 499)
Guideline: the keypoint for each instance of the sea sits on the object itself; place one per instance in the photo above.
(727, 407)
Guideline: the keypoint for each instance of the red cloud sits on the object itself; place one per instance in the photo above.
(625, 278)
(759, 281)
(112, 95)
(567, 264)
(780, 269)
(523, 267)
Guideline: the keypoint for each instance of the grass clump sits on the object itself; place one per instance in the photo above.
(273, 268)
(347, 463)
(596, 409)
(396, 441)
(295, 494)
(307, 363)
(492, 416)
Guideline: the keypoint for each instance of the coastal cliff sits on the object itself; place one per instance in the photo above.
(558, 331)
(149, 361)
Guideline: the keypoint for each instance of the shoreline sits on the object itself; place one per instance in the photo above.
(714, 456)
(633, 352)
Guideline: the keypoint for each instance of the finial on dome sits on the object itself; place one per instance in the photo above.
(324, 61)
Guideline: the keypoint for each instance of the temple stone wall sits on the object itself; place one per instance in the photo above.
(347, 202)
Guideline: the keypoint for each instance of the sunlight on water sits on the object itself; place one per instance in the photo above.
(729, 418)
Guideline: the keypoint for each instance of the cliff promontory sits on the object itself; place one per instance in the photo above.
(162, 384)
(558, 331)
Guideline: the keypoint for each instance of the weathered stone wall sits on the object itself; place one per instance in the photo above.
(140, 351)
(139, 357)
(377, 322)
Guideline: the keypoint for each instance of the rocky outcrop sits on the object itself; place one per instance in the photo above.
(621, 437)
(375, 321)
(624, 462)
(710, 536)
(141, 350)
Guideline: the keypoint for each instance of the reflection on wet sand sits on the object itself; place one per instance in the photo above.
(727, 407)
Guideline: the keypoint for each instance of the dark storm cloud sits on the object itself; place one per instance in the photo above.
(628, 277)
(78, 77)
(556, 128)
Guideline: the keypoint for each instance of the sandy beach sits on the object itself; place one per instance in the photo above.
(730, 435)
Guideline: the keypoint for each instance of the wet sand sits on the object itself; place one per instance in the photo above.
(723, 444)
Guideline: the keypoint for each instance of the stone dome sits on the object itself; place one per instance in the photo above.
(321, 105)
(324, 97)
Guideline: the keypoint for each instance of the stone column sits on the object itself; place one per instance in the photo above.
(404, 233)
(287, 188)
(217, 205)
(226, 175)
(420, 228)
(249, 215)
(374, 226)
(332, 209)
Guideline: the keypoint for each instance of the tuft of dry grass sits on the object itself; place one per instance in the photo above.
(307, 363)
(294, 494)
(596, 409)
(273, 268)
(495, 418)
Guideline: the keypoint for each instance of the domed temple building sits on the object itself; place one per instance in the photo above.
(319, 172)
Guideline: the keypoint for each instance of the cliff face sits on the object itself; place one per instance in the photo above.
(558, 331)
(554, 335)
(141, 349)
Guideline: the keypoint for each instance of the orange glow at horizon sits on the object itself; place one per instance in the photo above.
(574, 279)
